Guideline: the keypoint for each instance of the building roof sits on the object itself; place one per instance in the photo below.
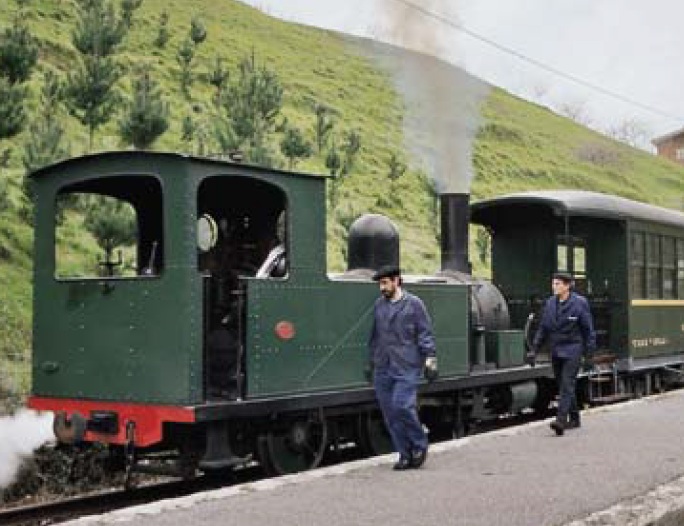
(656, 141)
(575, 203)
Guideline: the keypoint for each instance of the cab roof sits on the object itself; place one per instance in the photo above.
(574, 203)
(105, 157)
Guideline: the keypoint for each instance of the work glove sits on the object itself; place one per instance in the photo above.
(431, 372)
(368, 372)
(531, 356)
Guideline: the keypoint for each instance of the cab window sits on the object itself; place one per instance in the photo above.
(109, 228)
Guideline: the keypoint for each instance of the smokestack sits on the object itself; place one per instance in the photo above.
(455, 216)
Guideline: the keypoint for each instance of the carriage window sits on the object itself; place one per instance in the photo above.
(680, 268)
(638, 265)
(579, 262)
(571, 256)
(109, 228)
(669, 267)
(562, 257)
(653, 267)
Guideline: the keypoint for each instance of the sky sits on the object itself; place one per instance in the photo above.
(630, 47)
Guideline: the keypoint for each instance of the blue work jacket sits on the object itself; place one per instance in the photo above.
(567, 326)
(401, 337)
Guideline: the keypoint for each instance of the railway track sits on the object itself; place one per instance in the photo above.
(72, 508)
(55, 512)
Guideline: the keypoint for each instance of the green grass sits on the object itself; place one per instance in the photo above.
(520, 146)
(523, 146)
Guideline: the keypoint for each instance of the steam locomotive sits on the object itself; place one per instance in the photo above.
(220, 339)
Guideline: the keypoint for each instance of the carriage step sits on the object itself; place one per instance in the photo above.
(600, 379)
(605, 358)
(610, 399)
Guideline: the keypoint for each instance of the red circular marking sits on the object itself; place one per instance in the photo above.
(285, 330)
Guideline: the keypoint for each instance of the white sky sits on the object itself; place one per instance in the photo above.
(632, 47)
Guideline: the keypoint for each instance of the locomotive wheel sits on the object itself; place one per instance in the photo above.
(374, 439)
(544, 398)
(299, 446)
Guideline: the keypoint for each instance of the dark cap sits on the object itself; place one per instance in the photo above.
(566, 277)
(387, 271)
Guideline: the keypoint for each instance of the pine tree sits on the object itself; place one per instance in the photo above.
(128, 8)
(18, 53)
(188, 128)
(112, 223)
(18, 56)
(333, 162)
(4, 194)
(90, 93)
(294, 146)
(482, 243)
(251, 105)
(45, 143)
(260, 154)
(227, 140)
(396, 167)
(12, 113)
(163, 34)
(51, 94)
(147, 114)
(218, 77)
(324, 125)
(350, 147)
(184, 57)
(98, 30)
(90, 88)
(201, 137)
(198, 31)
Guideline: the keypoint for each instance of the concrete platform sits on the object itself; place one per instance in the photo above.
(624, 466)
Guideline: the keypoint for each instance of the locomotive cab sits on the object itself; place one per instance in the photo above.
(159, 323)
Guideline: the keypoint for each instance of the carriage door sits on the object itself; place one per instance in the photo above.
(241, 235)
(572, 257)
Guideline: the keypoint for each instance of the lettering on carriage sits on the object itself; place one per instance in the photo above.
(650, 342)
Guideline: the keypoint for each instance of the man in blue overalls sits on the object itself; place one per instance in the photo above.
(567, 324)
(401, 348)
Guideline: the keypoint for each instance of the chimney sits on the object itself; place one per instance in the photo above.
(455, 216)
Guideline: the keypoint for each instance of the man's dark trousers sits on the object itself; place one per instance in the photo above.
(396, 394)
(565, 371)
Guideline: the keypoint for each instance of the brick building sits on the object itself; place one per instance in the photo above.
(671, 146)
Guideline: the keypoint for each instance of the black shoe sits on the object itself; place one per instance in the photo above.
(558, 427)
(574, 423)
(402, 464)
(418, 458)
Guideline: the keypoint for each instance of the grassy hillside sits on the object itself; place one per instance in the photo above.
(523, 146)
(520, 146)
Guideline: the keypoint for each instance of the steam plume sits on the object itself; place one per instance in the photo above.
(19, 436)
(442, 101)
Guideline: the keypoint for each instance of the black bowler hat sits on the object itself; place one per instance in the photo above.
(387, 271)
(565, 277)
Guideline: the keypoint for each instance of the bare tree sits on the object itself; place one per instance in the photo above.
(575, 110)
(630, 131)
(540, 91)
